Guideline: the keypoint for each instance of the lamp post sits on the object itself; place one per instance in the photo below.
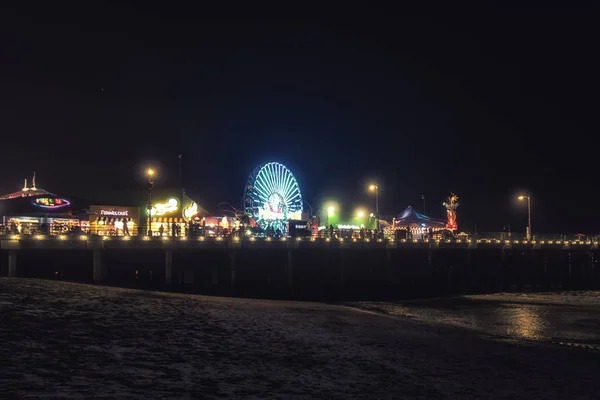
(150, 173)
(375, 188)
(529, 234)
(310, 207)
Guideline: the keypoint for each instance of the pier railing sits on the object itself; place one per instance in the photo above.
(550, 240)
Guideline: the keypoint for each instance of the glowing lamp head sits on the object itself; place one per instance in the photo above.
(330, 210)
(150, 172)
(373, 188)
(360, 214)
(521, 197)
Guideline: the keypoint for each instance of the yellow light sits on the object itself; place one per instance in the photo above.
(478, 241)
(458, 241)
(252, 239)
(341, 239)
(414, 240)
(236, 239)
(516, 242)
(497, 241)
(125, 238)
(542, 242)
(403, 240)
(62, 237)
(381, 240)
(549, 241)
(219, 238)
(146, 237)
(201, 238)
(150, 172)
(268, 239)
(360, 214)
(354, 240)
(328, 240)
(183, 238)
(106, 237)
(164, 208)
(330, 210)
(16, 237)
(83, 237)
(39, 237)
(448, 241)
(372, 188)
(532, 242)
(283, 239)
(507, 241)
(521, 197)
(312, 239)
(165, 238)
(437, 241)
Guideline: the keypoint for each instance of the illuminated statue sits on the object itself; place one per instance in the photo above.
(451, 205)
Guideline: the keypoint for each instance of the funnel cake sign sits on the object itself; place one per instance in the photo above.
(114, 213)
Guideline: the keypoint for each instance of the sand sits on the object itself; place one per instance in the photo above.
(75, 341)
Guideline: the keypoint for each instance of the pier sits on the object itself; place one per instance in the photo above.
(308, 268)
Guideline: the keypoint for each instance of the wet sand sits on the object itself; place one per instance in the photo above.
(67, 340)
(566, 318)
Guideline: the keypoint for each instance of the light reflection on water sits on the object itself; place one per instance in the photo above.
(507, 316)
(524, 321)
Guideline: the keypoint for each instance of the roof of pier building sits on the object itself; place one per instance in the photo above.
(411, 218)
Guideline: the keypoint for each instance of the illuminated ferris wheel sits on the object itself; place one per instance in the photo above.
(272, 196)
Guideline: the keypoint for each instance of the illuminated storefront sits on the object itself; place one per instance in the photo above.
(45, 214)
(170, 216)
(114, 220)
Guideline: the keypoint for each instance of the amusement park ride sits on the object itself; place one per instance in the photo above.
(451, 205)
(272, 197)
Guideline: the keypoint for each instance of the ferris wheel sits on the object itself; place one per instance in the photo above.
(272, 196)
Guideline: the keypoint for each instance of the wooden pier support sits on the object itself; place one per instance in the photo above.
(168, 266)
(12, 263)
(98, 268)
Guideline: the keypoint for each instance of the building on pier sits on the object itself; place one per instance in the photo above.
(417, 224)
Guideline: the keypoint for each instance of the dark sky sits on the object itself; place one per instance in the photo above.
(483, 102)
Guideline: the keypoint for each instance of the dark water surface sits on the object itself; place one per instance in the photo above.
(568, 318)
(65, 340)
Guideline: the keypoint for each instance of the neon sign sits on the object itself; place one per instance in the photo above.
(165, 208)
(50, 202)
(192, 210)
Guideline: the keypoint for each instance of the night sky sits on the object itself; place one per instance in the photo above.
(483, 102)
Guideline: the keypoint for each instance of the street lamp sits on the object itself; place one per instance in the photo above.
(310, 207)
(360, 214)
(375, 188)
(150, 173)
(529, 235)
(330, 211)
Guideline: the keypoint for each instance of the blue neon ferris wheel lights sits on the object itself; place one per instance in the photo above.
(273, 194)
